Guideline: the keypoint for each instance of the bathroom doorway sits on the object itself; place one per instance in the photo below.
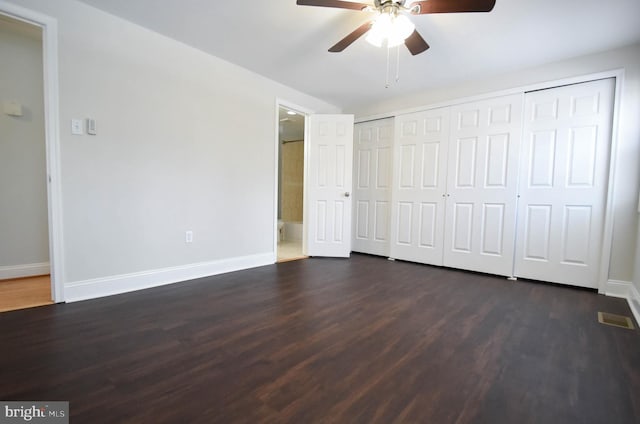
(291, 135)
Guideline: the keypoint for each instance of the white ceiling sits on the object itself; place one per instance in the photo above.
(288, 43)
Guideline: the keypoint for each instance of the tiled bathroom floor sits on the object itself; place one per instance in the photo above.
(290, 250)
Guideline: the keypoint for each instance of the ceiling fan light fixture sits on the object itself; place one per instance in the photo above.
(392, 28)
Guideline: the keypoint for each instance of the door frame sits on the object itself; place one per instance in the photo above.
(49, 28)
(306, 112)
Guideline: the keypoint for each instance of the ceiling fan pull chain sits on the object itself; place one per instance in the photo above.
(397, 63)
(386, 84)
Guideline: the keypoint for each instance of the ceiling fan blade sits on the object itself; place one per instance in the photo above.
(452, 6)
(333, 3)
(346, 41)
(415, 43)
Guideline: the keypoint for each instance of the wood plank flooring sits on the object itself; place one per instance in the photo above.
(364, 340)
(28, 292)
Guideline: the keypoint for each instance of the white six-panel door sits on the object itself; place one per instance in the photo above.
(563, 183)
(373, 157)
(419, 186)
(329, 188)
(482, 180)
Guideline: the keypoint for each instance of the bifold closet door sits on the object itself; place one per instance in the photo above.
(481, 185)
(419, 183)
(563, 183)
(373, 153)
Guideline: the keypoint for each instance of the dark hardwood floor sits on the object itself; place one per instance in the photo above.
(364, 340)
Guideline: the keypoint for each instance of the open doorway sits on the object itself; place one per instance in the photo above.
(291, 134)
(24, 229)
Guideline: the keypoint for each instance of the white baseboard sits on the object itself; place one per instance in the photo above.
(617, 288)
(634, 302)
(107, 286)
(26, 270)
(625, 290)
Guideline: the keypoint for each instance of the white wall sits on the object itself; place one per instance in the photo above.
(24, 239)
(185, 142)
(634, 295)
(627, 160)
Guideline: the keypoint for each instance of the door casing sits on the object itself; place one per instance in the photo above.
(306, 112)
(49, 28)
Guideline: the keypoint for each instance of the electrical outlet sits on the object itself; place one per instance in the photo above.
(188, 236)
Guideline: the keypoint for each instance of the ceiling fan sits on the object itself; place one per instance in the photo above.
(391, 26)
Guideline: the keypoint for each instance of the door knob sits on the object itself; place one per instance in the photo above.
(347, 194)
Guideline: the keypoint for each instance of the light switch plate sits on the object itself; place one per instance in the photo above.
(91, 126)
(76, 127)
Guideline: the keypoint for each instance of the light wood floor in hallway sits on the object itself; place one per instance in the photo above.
(21, 293)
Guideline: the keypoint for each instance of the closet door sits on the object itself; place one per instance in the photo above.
(563, 183)
(419, 183)
(373, 153)
(482, 183)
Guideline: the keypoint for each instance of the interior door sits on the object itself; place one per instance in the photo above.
(373, 151)
(330, 163)
(563, 183)
(482, 185)
(419, 186)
